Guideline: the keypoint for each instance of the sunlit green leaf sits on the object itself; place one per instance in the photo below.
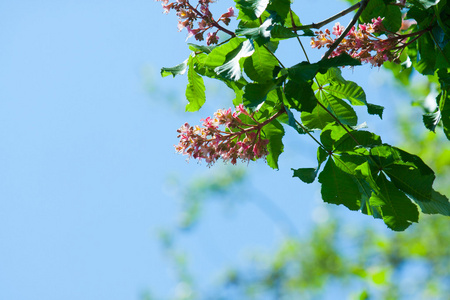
(195, 90)
(177, 70)
(251, 9)
(261, 65)
(336, 107)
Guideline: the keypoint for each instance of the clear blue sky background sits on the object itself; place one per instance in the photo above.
(85, 152)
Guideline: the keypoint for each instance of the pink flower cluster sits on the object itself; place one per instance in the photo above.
(239, 140)
(362, 43)
(188, 15)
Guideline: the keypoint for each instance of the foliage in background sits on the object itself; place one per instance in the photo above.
(335, 257)
(355, 168)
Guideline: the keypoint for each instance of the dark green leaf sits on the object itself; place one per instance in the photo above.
(303, 71)
(274, 132)
(338, 61)
(431, 120)
(289, 119)
(426, 60)
(256, 93)
(427, 3)
(406, 171)
(375, 110)
(392, 18)
(281, 7)
(439, 204)
(374, 9)
(300, 96)
(397, 209)
(338, 187)
(307, 175)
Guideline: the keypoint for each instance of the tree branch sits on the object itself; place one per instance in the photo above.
(329, 20)
(362, 6)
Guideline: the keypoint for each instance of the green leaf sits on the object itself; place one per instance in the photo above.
(195, 90)
(439, 204)
(289, 119)
(319, 117)
(274, 132)
(431, 120)
(338, 187)
(201, 48)
(177, 70)
(444, 100)
(392, 18)
(426, 60)
(396, 208)
(375, 110)
(374, 9)
(303, 71)
(332, 76)
(261, 65)
(427, 3)
(307, 175)
(338, 61)
(300, 96)
(231, 67)
(256, 93)
(250, 10)
(349, 90)
(406, 171)
(333, 83)
(281, 7)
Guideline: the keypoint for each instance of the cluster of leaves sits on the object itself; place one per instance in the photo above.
(359, 171)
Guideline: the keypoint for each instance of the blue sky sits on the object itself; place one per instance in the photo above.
(86, 151)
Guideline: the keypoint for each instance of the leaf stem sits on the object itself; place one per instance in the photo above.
(210, 20)
(309, 133)
(330, 19)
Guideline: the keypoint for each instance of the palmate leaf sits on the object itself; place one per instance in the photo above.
(333, 83)
(412, 176)
(319, 117)
(406, 171)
